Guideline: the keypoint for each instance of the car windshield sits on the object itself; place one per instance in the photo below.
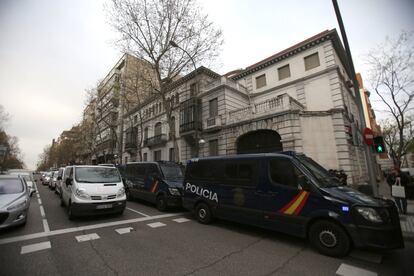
(319, 172)
(11, 186)
(171, 171)
(97, 175)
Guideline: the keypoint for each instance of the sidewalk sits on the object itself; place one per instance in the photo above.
(406, 221)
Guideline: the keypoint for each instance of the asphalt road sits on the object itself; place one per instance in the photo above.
(172, 243)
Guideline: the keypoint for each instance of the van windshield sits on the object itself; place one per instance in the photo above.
(97, 175)
(171, 171)
(324, 178)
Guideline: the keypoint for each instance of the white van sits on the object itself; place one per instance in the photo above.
(90, 190)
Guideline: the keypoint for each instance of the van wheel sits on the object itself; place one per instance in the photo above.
(203, 213)
(71, 216)
(161, 203)
(329, 238)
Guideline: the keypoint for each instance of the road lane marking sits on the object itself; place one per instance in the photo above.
(46, 225)
(156, 224)
(122, 231)
(42, 212)
(349, 270)
(83, 228)
(35, 247)
(39, 200)
(87, 237)
(135, 211)
(181, 220)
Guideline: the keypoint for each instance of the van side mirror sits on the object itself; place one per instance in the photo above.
(69, 181)
(304, 182)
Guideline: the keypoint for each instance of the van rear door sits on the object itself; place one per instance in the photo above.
(281, 198)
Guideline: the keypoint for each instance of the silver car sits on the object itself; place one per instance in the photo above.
(14, 200)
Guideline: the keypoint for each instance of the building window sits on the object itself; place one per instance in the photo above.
(261, 81)
(171, 154)
(193, 89)
(157, 129)
(135, 119)
(213, 108)
(312, 61)
(126, 159)
(284, 72)
(213, 147)
(177, 99)
(146, 133)
(145, 156)
(172, 130)
(157, 155)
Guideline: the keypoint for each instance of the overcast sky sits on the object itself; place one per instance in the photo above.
(52, 50)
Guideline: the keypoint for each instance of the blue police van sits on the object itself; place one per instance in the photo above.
(290, 193)
(157, 182)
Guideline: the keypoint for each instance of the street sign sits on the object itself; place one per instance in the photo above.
(368, 136)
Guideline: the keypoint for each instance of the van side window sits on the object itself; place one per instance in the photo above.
(153, 170)
(135, 171)
(240, 173)
(202, 170)
(69, 172)
(283, 172)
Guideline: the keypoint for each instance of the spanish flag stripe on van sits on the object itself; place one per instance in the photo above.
(154, 187)
(296, 205)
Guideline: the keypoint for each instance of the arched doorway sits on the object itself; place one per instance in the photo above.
(259, 141)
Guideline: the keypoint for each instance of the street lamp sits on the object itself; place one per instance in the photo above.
(198, 140)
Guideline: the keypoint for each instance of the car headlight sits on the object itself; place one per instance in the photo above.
(17, 205)
(174, 191)
(81, 193)
(369, 214)
(121, 192)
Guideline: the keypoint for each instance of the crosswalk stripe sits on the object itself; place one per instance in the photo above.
(181, 220)
(35, 247)
(156, 224)
(124, 230)
(349, 270)
(87, 237)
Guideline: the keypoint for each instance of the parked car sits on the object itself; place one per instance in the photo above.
(89, 190)
(60, 176)
(53, 180)
(290, 193)
(14, 200)
(158, 182)
(28, 177)
(409, 189)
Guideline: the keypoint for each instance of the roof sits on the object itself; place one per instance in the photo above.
(295, 49)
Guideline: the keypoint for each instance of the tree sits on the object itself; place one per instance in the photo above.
(391, 76)
(146, 28)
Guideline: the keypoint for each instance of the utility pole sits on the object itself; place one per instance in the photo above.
(367, 148)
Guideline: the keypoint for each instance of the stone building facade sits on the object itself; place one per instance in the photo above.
(299, 99)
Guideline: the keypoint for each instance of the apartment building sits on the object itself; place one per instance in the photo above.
(299, 99)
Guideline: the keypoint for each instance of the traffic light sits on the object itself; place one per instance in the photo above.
(379, 144)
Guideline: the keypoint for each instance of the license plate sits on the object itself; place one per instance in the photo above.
(104, 206)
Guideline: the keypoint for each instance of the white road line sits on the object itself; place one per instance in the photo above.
(135, 211)
(42, 212)
(39, 200)
(46, 226)
(181, 220)
(35, 247)
(122, 231)
(349, 270)
(87, 237)
(82, 228)
(156, 224)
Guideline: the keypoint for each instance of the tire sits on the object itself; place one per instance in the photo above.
(161, 203)
(118, 214)
(71, 216)
(203, 213)
(62, 203)
(329, 238)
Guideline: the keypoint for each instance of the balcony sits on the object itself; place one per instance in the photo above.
(275, 105)
(157, 140)
(190, 116)
(227, 82)
(212, 123)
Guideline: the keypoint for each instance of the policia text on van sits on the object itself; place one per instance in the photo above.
(290, 193)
